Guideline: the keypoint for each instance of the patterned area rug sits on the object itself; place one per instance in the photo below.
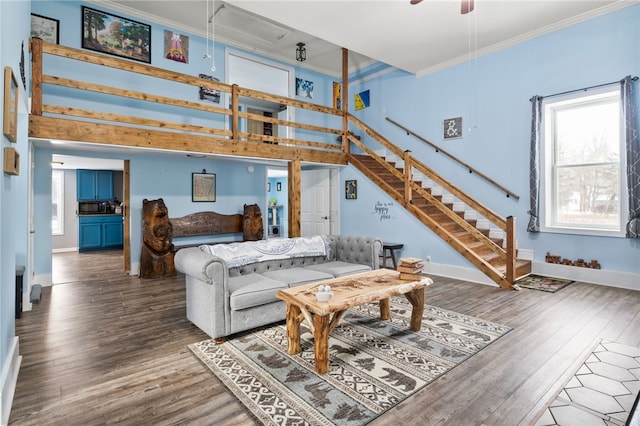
(374, 364)
(538, 282)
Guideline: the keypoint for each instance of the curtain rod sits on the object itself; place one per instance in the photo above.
(583, 89)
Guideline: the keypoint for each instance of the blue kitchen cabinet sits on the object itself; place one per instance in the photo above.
(99, 233)
(94, 185)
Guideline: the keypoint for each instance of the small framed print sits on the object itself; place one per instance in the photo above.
(452, 128)
(279, 186)
(203, 187)
(10, 111)
(351, 189)
(48, 29)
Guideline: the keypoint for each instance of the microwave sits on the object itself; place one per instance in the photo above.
(92, 207)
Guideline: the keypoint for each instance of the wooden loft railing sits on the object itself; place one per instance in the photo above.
(508, 254)
(456, 159)
(221, 133)
(70, 123)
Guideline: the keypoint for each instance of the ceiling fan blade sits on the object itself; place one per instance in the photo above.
(415, 1)
(466, 6)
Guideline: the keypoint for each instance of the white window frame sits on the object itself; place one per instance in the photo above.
(59, 200)
(547, 192)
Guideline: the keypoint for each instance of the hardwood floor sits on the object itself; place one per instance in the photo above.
(110, 348)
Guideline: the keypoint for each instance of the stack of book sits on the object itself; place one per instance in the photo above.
(410, 268)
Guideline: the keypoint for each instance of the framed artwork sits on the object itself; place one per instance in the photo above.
(203, 187)
(176, 47)
(361, 100)
(337, 93)
(268, 186)
(304, 88)
(10, 111)
(107, 33)
(11, 161)
(452, 128)
(209, 95)
(48, 29)
(351, 189)
(279, 186)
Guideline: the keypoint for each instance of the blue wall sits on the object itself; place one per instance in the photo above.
(13, 193)
(492, 95)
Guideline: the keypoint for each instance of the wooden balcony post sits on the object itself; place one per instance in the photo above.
(36, 76)
(408, 177)
(511, 250)
(235, 118)
(344, 100)
(295, 199)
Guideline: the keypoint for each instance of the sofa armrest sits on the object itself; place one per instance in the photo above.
(202, 266)
(361, 250)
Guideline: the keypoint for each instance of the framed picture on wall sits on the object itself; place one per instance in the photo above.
(107, 33)
(203, 187)
(279, 186)
(351, 189)
(10, 111)
(48, 29)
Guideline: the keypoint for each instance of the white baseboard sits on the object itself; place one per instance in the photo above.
(44, 280)
(595, 276)
(64, 250)
(10, 372)
(457, 272)
(587, 275)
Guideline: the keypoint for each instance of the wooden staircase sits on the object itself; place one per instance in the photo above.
(481, 236)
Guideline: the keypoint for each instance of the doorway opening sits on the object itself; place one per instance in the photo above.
(277, 207)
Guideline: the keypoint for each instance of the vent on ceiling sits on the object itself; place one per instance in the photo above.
(239, 22)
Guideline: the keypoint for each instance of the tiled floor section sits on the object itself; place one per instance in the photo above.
(601, 392)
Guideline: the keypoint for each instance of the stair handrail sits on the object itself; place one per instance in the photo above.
(485, 211)
(505, 224)
(510, 194)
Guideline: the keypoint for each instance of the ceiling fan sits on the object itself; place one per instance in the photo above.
(466, 6)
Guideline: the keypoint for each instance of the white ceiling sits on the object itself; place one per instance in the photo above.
(418, 38)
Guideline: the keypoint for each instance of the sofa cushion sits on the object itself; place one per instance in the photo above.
(338, 268)
(297, 276)
(251, 290)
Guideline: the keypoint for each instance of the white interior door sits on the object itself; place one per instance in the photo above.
(315, 203)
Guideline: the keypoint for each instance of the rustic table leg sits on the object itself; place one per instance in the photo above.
(416, 297)
(385, 311)
(321, 341)
(293, 328)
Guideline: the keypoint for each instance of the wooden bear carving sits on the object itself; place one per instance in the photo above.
(156, 258)
(252, 226)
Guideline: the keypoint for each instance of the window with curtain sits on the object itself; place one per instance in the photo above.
(57, 202)
(583, 179)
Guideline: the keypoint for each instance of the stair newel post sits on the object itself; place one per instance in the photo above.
(408, 177)
(36, 76)
(511, 249)
(235, 116)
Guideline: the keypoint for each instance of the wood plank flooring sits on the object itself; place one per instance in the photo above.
(108, 348)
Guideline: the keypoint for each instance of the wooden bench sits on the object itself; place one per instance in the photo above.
(160, 232)
(205, 224)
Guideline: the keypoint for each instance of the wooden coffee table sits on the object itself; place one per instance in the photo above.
(353, 290)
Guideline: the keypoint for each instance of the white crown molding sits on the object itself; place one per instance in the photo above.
(529, 36)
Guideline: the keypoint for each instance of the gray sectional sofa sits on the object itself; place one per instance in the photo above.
(229, 292)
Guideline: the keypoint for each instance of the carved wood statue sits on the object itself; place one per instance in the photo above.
(156, 257)
(252, 226)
